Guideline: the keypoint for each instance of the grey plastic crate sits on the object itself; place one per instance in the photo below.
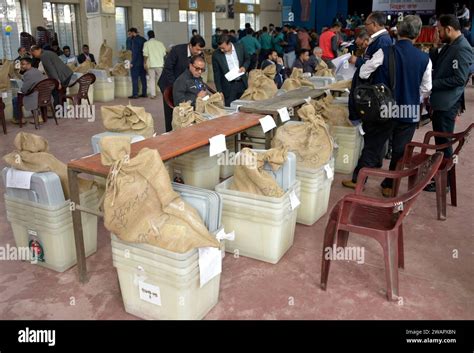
(286, 175)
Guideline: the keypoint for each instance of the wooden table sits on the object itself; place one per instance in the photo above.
(169, 145)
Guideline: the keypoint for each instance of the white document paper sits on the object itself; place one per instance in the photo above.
(233, 74)
(284, 114)
(339, 61)
(329, 172)
(210, 264)
(294, 201)
(149, 293)
(217, 145)
(19, 179)
(227, 236)
(267, 123)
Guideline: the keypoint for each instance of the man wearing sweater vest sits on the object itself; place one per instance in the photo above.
(412, 84)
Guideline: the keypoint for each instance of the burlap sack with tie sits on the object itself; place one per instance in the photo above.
(32, 154)
(119, 70)
(296, 80)
(120, 118)
(310, 141)
(249, 175)
(261, 84)
(125, 55)
(323, 70)
(5, 70)
(333, 114)
(105, 57)
(140, 205)
(213, 106)
(184, 116)
(83, 68)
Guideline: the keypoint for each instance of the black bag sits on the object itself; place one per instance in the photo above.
(370, 99)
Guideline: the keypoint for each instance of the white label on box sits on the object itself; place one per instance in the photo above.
(284, 114)
(4, 95)
(267, 123)
(217, 145)
(223, 235)
(361, 130)
(294, 201)
(329, 172)
(19, 179)
(210, 264)
(109, 80)
(149, 293)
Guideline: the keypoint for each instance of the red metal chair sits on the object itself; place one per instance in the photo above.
(45, 89)
(84, 82)
(168, 96)
(2, 116)
(381, 219)
(446, 170)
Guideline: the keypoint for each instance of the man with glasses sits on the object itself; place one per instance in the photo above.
(189, 85)
(230, 59)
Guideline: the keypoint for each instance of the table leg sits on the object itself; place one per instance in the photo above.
(77, 225)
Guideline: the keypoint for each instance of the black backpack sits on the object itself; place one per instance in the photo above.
(369, 99)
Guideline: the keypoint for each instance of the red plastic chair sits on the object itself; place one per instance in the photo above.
(168, 96)
(2, 116)
(381, 219)
(45, 89)
(84, 82)
(446, 170)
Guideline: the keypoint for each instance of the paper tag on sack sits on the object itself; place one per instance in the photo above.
(347, 90)
(4, 95)
(109, 80)
(294, 201)
(328, 92)
(206, 98)
(126, 64)
(308, 100)
(361, 130)
(267, 123)
(227, 236)
(284, 114)
(217, 145)
(210, 264)
(149, 293)
(237, 107)
(19, 179)
(329, 172)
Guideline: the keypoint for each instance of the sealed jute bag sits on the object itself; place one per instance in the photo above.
(296, 80)
(333, 114)
(125, 55)
(32, 154)
(213, 106)
(120, 118)
(261, 84)
(323, 70)
(119, 70)
(140, 205)
(5, 76)
(83, 68)
(249, 175)
(340, 85)
(105, 57)
(310, 141)
(184, 116)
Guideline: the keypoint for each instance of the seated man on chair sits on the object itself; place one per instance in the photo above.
(31, 77)
(189, 85)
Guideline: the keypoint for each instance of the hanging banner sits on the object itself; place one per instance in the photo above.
(395, 6)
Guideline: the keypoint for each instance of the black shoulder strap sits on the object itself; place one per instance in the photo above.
(392, 69)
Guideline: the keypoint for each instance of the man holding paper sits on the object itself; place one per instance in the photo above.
(230, 63)
(189, 85)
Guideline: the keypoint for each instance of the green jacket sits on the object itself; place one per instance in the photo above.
(251, 44)
(277, 39)
(266, 41)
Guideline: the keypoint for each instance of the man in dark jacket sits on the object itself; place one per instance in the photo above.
(177, 61)
(137, 66)
(230, 58)
(274, 59)
(450, 74)
(85, 55)
(189, 85)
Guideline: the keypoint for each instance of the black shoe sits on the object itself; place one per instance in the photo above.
(431, 187)
(133, 97)
(144, 96)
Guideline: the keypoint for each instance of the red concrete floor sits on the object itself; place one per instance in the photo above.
(434, 285)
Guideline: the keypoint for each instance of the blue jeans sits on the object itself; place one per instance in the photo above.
(138, 72)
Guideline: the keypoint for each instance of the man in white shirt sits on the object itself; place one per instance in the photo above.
(67, 58)
(154, 53)
(465, 14)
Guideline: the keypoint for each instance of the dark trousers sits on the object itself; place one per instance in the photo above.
(138, 72)
(374, 145)
(236, 90)
(443, 121)
(55, 93)
(168, 115)
(253, 62)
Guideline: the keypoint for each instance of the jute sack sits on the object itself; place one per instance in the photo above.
(323, 70)
(83, 68)
(261, 84)
(213, 106)
(333, 114)
(125, 55)
(296, 80)
(32, 154)
(105, 57)
(249, 175)
(310, 141)
(184, 116)
(120, 118)
(140, 205)
(5, 76)
(340, 85)
(119, 70)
